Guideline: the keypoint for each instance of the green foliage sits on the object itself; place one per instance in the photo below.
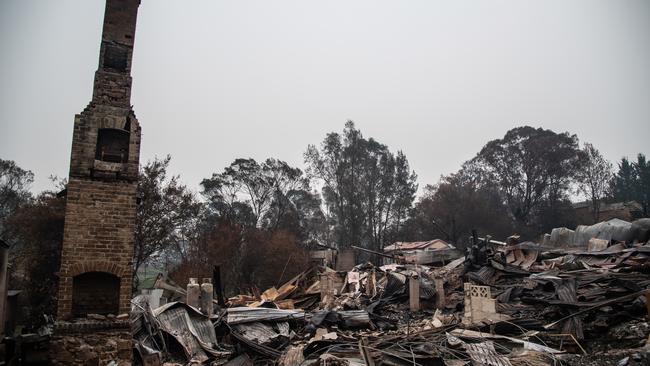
(367, 189)
(528, 166)
(625, 181)
(593, 177)
(642, 168)
(33, 226)
(632, 182)
(14, 189)
(517, 184)
(167, 212)
(36, 231)
(455, 206)
(271, 196)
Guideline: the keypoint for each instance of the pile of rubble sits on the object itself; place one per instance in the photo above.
(501, 304)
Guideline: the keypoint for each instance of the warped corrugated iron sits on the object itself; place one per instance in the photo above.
(243, 314)
(483, 353)
(193, 331)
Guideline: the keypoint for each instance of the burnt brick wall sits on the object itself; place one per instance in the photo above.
(96, 260)
(98, 236)
(101, 195)
(84, 141)
(119, 22)
(112, 79)
(94, 348)
(112, 88)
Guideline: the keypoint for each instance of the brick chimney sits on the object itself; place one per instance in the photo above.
(96, 261)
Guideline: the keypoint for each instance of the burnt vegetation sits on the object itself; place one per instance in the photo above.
(256, 220)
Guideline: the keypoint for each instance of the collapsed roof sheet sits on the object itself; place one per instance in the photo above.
(191, 329)
(247, 314)
(435, 244)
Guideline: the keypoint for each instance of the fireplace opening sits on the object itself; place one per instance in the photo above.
(95, 293)
(112, 145)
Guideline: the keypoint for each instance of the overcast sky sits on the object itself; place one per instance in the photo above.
(215, 80)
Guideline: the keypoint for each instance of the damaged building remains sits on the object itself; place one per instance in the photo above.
(502, 303)
(96, 261)
(571, 297)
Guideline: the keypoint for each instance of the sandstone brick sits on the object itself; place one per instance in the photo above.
(96, 260)
(96, 348)
(124, 344)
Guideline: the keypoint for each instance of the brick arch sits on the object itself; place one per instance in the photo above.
(96, 266)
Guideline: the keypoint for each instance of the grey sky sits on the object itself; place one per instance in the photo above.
(215, 80)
